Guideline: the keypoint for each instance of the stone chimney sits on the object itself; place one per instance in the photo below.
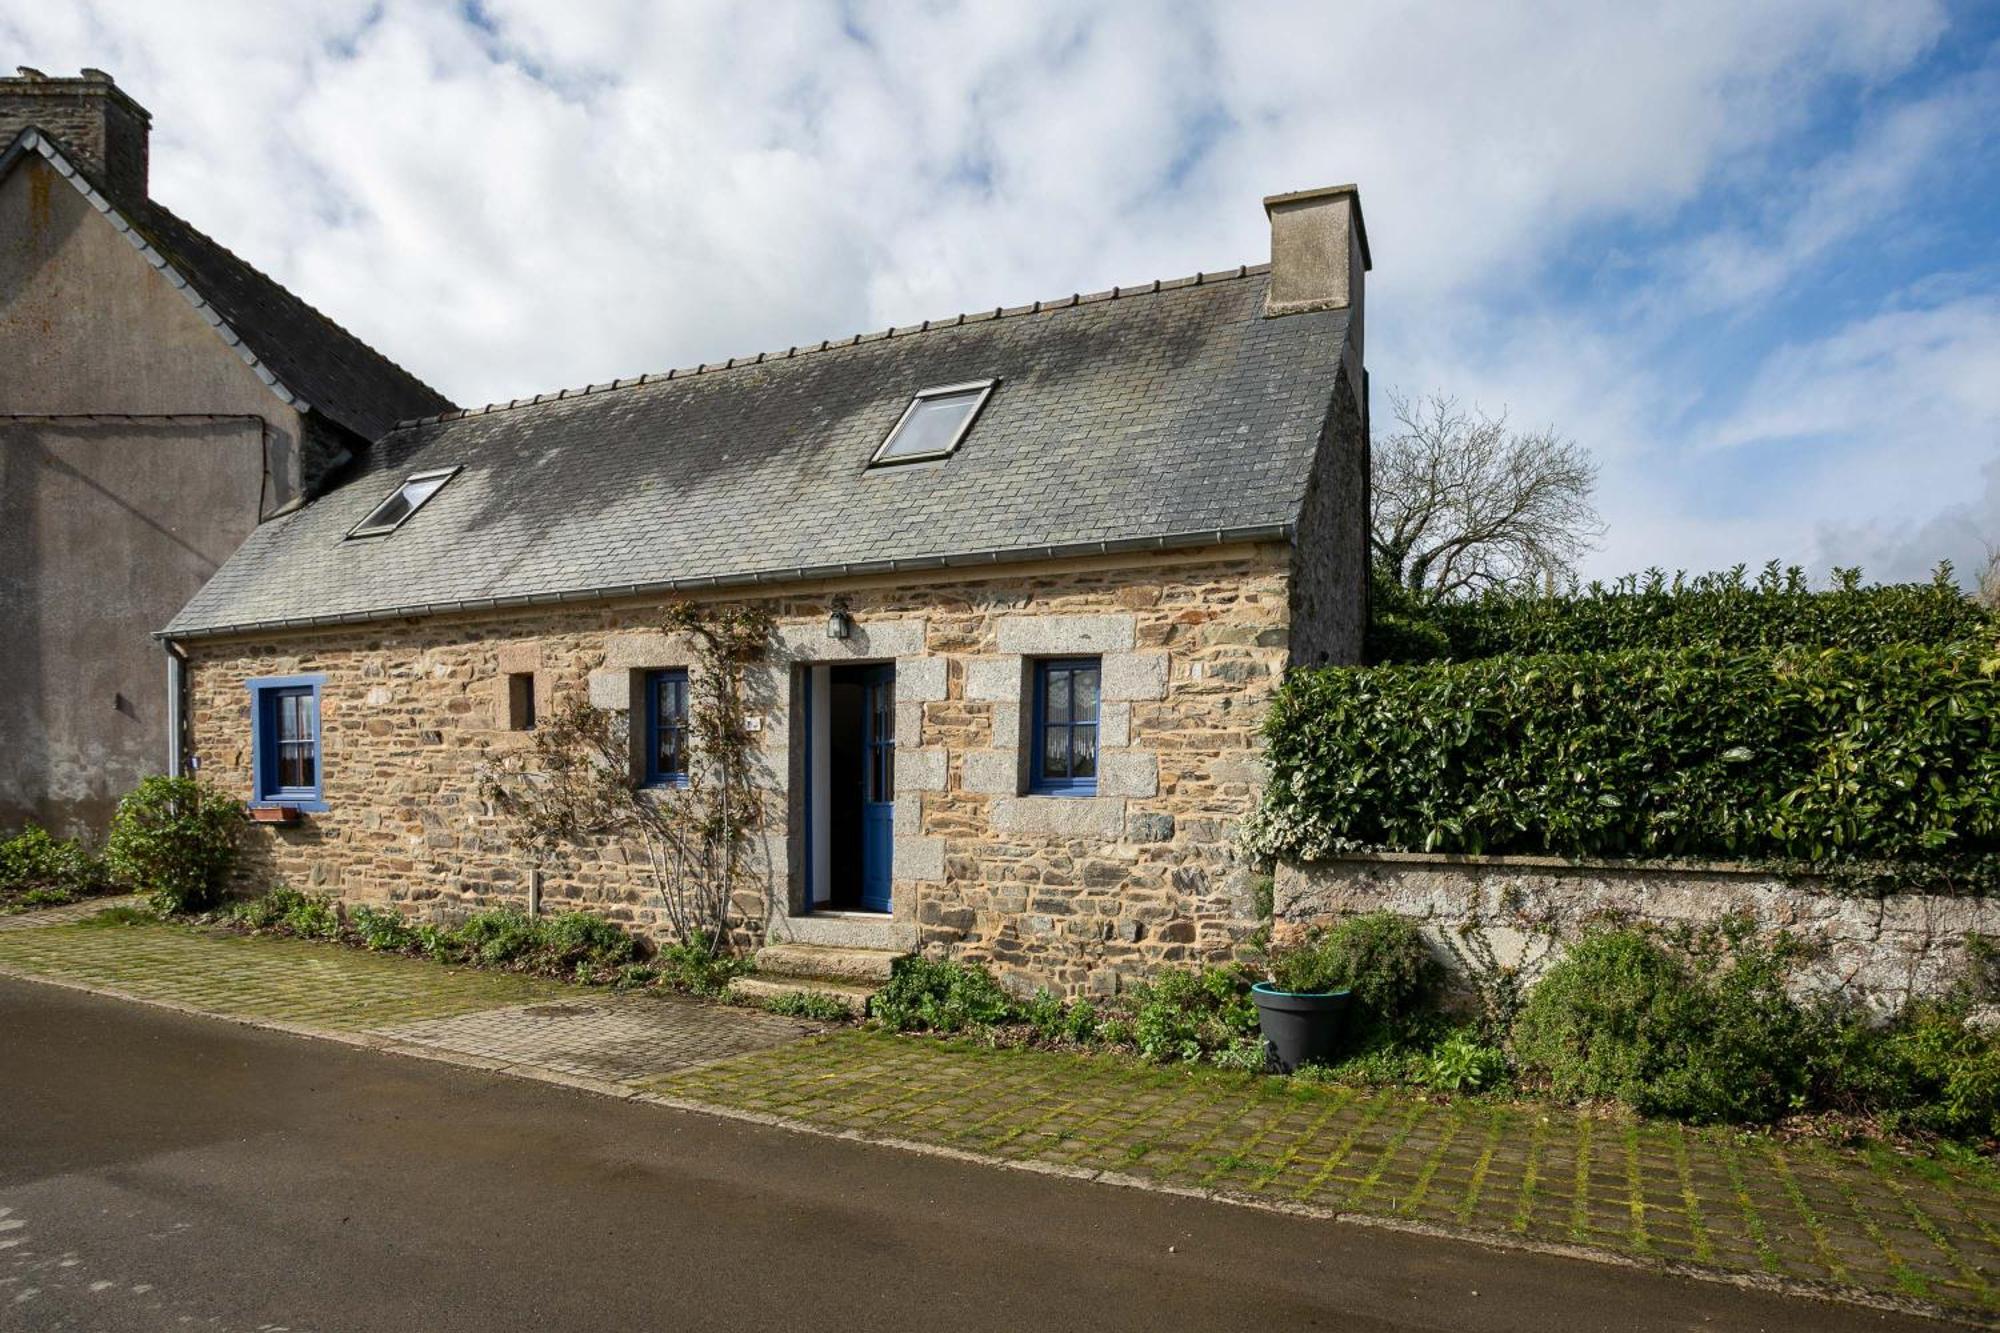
(1319, 251)
(95, 124)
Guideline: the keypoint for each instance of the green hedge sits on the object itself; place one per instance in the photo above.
(1823, 756)
(1714, 610)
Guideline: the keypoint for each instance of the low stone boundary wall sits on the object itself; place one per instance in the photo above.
(1879, 951)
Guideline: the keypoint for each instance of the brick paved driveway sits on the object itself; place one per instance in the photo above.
(1871, 1221)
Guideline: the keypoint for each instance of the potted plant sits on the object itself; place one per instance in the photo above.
(1302, 1009)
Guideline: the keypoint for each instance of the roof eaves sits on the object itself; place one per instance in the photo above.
(36, 142)
(1265, 532)
(853, 340)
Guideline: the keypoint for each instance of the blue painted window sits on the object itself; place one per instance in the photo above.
(285, 756)
(1064, 756)
(667, 728)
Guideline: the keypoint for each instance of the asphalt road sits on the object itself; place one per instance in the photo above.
(165, 1172)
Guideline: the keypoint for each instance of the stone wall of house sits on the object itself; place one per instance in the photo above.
(1877, 951)
(1330, 570)
(1075, 893)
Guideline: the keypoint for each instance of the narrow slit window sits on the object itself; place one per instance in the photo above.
(404, 501)
(521, 701)
(934, 423)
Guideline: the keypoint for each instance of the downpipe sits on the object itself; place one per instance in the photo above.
(177, 759)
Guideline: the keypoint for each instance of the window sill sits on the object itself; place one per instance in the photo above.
(1060, 792)
(281, 810)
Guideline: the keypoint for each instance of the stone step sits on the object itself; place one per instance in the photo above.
(844, 930)
(826, 960)
(853, 994)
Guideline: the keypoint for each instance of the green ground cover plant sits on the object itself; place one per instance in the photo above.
(573, 946)
(815, 1005)
(38, 869)
(929, 995)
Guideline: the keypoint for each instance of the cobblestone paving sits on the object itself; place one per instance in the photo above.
(65, 914)
(1875, 1220)
(612, 1038)
(287, 981)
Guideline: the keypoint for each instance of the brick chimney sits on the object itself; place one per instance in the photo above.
(1319, 251)
(95, 124)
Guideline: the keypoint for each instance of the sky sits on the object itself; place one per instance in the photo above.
(1743, 252)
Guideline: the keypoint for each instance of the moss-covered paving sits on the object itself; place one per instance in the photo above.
(277, 980)
(1923, 1228)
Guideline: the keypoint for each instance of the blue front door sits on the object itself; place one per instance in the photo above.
(878, 785)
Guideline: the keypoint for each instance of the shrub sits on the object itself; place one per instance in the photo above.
(1833, 757)
(1185, 1013)
(44, 869)
(1621, 1018)
(174, 839)
(498, 935)
(1727, 611)
(579, 938)
(1379, 956)
(928, 995)
(1393, 637)
(1929, 1069)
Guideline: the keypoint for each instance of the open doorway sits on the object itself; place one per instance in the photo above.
(851, 786)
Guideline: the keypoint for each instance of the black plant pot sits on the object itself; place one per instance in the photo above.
(1300, 1028)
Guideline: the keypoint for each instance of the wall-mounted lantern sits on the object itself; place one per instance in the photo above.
(839, 625)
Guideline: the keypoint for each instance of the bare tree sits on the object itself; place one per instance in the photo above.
(1987, 581)
(1464, 504)
(580, 790)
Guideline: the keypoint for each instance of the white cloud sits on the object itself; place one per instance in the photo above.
(555, 195)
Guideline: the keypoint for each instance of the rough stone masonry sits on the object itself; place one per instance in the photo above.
(1080, 894)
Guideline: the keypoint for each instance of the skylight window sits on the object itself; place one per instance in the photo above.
(406, 500)
(934, 422)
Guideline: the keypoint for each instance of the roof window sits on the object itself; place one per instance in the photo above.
(934, 422)
(404, 501)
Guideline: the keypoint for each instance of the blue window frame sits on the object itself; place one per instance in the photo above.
(667, 728)
(286, 761)
(1063, 761)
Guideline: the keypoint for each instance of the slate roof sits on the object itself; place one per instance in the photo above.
(308, 360)
(1167, 415)
(334, 371)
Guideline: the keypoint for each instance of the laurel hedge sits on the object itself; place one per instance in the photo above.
(1824, 756)
(1729, 610)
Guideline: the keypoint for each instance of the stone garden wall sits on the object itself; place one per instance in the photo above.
(1877, 951)
(1075, 893)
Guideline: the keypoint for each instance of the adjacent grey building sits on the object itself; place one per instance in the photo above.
(159, 398)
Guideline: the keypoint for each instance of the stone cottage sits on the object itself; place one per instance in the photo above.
(1035, 572)
(159, 398)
